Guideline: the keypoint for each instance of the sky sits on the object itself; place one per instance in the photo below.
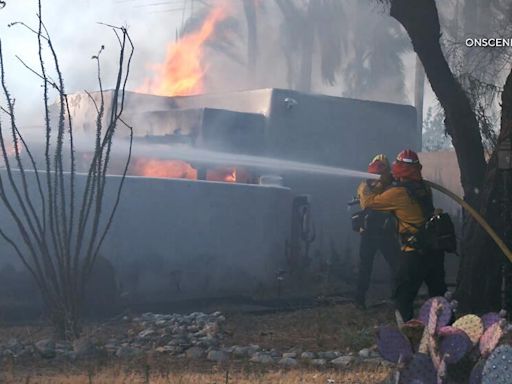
(76, 35)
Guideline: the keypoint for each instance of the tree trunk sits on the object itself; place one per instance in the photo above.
(480, 274)
(421, 21)
(479, 281)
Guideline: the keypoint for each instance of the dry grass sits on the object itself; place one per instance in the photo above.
(217, 375)
(340, 327)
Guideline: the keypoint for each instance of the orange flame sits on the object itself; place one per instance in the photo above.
(165, 169)
(228, 175)
(183, 71)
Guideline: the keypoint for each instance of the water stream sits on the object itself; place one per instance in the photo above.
(201, 156)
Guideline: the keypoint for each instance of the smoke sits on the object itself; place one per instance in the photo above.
(77, 36)
(348, 48)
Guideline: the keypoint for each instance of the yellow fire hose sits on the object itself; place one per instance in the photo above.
(476, 216)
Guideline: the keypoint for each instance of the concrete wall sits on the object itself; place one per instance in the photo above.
(181, 239)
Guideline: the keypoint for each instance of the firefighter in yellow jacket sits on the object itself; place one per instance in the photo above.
(378, 231)
(410, 200)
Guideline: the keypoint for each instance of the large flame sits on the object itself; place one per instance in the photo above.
(178, 169)
(183, 71)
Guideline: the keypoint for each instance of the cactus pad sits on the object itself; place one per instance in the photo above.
(490, 318)
(413, 330)
(445, 313)
(498, 368)
(392, 344)
(420, 370)
(454, 344)
(491, 338)
(472, 325)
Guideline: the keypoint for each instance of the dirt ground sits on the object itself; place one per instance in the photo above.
(337, 327)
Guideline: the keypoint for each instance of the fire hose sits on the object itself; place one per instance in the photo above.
(479, 218)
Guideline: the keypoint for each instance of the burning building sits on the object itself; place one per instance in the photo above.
(272, 123)
(187, 229)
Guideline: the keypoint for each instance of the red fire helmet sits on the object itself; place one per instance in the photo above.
(379, 165)
(408, 156)
(407, 166)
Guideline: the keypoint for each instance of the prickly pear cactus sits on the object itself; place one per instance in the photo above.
(393, 345)
(472, 350)
(444, 314)
(472, 325)
(490, 318)
(491, 338)
(454, 344)
(498, 367)
(420, 370)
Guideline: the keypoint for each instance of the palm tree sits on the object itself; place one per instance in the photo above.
(305, 24)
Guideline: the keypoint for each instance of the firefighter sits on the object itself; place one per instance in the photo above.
(410, 199)
(378, 232)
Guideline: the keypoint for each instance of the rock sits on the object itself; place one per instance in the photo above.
(307, 355)
(170, 349)
(288, 362)
(145, 333)
(194, 353)
(208, 342)
(262, 358)
(239, 351)
(329, 355)
(319, 362)
(85, 348)
(228, 350)
(253, 349)
(289, 355)
(275, 354)
(13, 347)
(46, 348)
(343, 361)
(218, 356)
(128, 352)
(364, 353)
